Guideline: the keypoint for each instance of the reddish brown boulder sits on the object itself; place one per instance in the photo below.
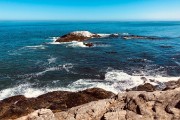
(18, 106)
(146, 87)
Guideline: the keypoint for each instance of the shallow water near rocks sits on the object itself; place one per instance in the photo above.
(31, 63)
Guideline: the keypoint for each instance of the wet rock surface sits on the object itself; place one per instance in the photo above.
(18, 106)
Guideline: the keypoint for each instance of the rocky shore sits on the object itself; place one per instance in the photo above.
(18, 106)
(144, 102)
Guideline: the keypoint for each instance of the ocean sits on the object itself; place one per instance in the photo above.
(31, 63)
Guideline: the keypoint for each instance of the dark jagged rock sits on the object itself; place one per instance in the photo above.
(165, 46)
(89, 44)
(146, 87)
(128, 37)
(18, 106)
(136, 60)
(172, 85)
(114, 35)
(111, 52)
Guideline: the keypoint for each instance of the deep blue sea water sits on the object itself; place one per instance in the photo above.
(31, 64)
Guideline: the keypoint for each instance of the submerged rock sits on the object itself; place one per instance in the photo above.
(18, 106)
(166, 46)
(128, 37)
(111, 52)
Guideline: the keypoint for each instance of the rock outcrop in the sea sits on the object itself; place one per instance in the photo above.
(83, 36)
(132, 105)
(77, 36)
(18, 106)
(128, 37)
(86, 35)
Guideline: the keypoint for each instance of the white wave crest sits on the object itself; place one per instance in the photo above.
(115, 81)
(65, 67)
(76, 44)
(28, 91)
(67, 44)
(103, 35)
(52, 60)
(35, 47)
(54, 40)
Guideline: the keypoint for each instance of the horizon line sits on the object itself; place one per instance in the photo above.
(140, 20)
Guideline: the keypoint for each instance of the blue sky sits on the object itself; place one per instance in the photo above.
(89, 9)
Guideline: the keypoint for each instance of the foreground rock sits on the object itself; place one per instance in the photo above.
(18, 106)
(146, 87)
(172, 85)
(132, 105)
(42, 114)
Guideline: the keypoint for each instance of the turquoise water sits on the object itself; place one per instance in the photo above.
(31, 64)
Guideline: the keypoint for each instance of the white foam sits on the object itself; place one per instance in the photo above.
(76, 44)
(178, 63)
(68, 44)
(125, 33)
(52, 60)
(54, 40)
(115, 81)
(28, 91)
(82, 33)
(65, 67)
(36, 47)
(103, 35)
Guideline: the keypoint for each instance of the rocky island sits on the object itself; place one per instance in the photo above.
(77, 36)
(82, 36)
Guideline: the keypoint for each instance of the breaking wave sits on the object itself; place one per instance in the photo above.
(65, 67)
(115, 81)
(35, 47)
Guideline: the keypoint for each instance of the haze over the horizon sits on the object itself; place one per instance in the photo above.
(89, 9)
